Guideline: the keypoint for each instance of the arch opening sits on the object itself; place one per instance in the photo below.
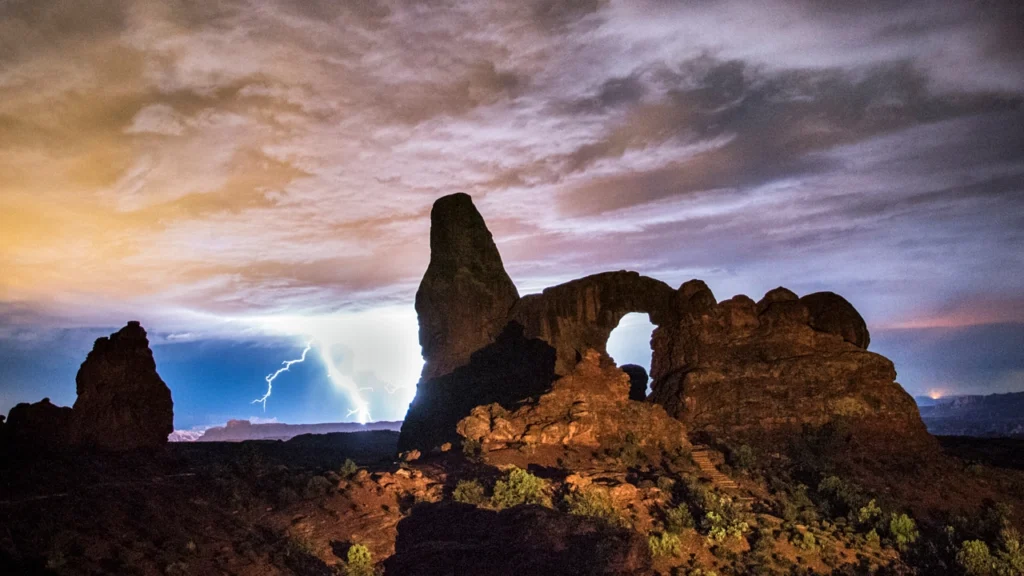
(630, 342)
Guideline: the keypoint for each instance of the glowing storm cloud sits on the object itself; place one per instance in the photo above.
(381, 342)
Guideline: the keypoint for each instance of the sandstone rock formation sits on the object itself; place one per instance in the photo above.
(122, 402)
(750, 369)
(513, 542)
(589, 407)
(464, 297)
(733, 367)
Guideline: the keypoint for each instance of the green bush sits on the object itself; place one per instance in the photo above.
(664, 545)
(678, 518)
(594, 503)
(348, 469)
(359, 561)
(471, 448)
(469, 492)
(903, 530)
(743, 457)
(975, 558)
(519, 487)
(805, 541)
(317, 486)
(869, 514)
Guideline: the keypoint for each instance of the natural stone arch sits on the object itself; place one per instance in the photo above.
(581, 314)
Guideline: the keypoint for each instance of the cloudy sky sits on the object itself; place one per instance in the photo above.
(247, 177)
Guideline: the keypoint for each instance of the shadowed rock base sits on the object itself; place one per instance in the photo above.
(450, 538)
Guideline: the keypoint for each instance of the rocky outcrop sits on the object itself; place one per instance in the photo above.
(513, 542)
(511, 369)
(122, 402)
(590, 407)
(737, 366)
(40, 426)
(465, 295)
(761, 369)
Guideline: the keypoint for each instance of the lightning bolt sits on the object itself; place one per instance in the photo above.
(285, 366)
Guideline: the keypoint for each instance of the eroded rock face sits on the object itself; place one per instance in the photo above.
(513, 542)
(464, 297)
(580, 315)
(590, 407)
(511, 369)
(745, 369)
(122, 402)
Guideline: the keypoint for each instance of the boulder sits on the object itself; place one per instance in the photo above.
(638, 380)
(122, 402)
(831, 313)
(521, 540)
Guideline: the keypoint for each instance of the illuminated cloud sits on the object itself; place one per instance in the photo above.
(197, 165)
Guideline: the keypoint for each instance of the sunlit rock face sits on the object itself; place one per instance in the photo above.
(589, 407)
(742, 369)
(736, 367)
(122, 402)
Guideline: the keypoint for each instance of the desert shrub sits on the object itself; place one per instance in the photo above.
(678, 518)
(664, 545)
(805, 541)
(469, 492)
(317, 486)
(348, 469)
(974, 558)
(1011, 552)
(666, 484)
(358, 561)
(903, 530)
(519, 487)
(629, 453)
(840, 498)
(869, 514)
(742, 457)
(594, 503)
(471, 448)
(872, 538)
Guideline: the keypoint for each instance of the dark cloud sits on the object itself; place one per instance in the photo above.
(774, 123)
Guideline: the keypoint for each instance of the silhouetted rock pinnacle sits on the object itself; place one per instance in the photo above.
(465, 295)
(122, 402)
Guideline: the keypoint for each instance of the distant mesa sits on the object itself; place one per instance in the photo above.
(242, 430)
(734, 368)
(122, 403)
